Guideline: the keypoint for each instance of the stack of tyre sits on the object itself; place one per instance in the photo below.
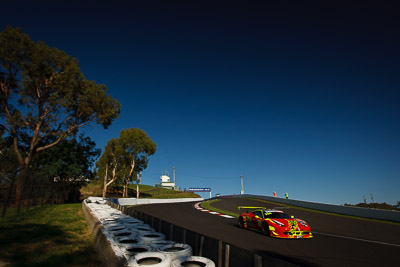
(142, 245)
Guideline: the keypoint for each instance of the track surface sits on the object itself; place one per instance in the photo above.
(338, 241)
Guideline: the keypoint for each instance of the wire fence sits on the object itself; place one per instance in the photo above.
(37, 191)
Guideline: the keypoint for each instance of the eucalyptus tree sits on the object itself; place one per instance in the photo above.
(43, 93)
(66, 167)
(109, 164)
(124, 157)
(138, 147)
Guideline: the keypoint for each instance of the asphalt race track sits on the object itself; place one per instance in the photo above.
(338, 241)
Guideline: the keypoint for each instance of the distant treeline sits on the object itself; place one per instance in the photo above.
(381, 206)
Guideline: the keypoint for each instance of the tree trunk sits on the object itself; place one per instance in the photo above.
(105, 183)
(113, 179)
(22, 191)
(43, 191)
(20, 186)
(7, 198)
(126, 188)
(51, 196)
(22, 177)
(30, 198)
(138, 180)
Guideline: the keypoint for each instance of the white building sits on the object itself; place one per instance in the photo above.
(166, 183)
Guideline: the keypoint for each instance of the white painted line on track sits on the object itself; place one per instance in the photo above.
(358, 239)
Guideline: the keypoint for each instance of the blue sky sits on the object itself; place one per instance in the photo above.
(296, 97)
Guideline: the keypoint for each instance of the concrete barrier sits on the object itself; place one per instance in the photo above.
(386, 215)
(135, 201)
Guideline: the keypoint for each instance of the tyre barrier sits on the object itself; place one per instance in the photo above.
(148, 238)
(175, 251)
(123, 233)
(142, 227)
(127, 241)
(155, 259)
(111, 224)
(133, 250)
(115, 228)
(133, 242)
(158, 243)
(128, 219)
(192, 261)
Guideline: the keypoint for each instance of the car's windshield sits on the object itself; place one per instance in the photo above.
(276, 215)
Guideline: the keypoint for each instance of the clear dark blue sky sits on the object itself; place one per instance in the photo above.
(296, 97)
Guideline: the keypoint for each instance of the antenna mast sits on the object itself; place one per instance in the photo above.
(241, 180)
(173, 173)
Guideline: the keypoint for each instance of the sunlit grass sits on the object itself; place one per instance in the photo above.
(56, 235)
(208, 205)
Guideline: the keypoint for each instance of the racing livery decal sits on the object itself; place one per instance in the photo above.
(274, 223)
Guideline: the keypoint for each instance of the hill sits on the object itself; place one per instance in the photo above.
(145, 191)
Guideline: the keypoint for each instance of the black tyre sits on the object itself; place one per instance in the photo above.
(265, 229)
(241, 222)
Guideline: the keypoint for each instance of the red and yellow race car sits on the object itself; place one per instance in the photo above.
(274, 223)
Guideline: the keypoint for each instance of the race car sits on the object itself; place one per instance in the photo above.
(274, 223)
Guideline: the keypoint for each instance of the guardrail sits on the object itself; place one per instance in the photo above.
(386, 215)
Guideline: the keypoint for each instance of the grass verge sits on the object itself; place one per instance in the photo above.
(146, 191)
(207, 205)
(56, 235)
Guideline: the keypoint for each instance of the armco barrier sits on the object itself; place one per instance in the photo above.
(223, 254)
(387, 215)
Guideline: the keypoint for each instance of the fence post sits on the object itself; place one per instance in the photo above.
(257, 260)
(227, 254)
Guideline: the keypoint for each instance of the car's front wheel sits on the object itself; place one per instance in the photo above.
(241, 222)
(265, 229)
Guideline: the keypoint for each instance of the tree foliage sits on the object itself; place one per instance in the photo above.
(124, 157)
(70, 160)
(44, 95)
(9, 165)
(66, 167)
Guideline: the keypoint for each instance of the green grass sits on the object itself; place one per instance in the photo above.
(207, 205)
(146, 191)
(56, 235)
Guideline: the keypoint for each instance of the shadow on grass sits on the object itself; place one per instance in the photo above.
(42, 245)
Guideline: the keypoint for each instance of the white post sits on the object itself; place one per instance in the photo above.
(241, 179)
(173, 173)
